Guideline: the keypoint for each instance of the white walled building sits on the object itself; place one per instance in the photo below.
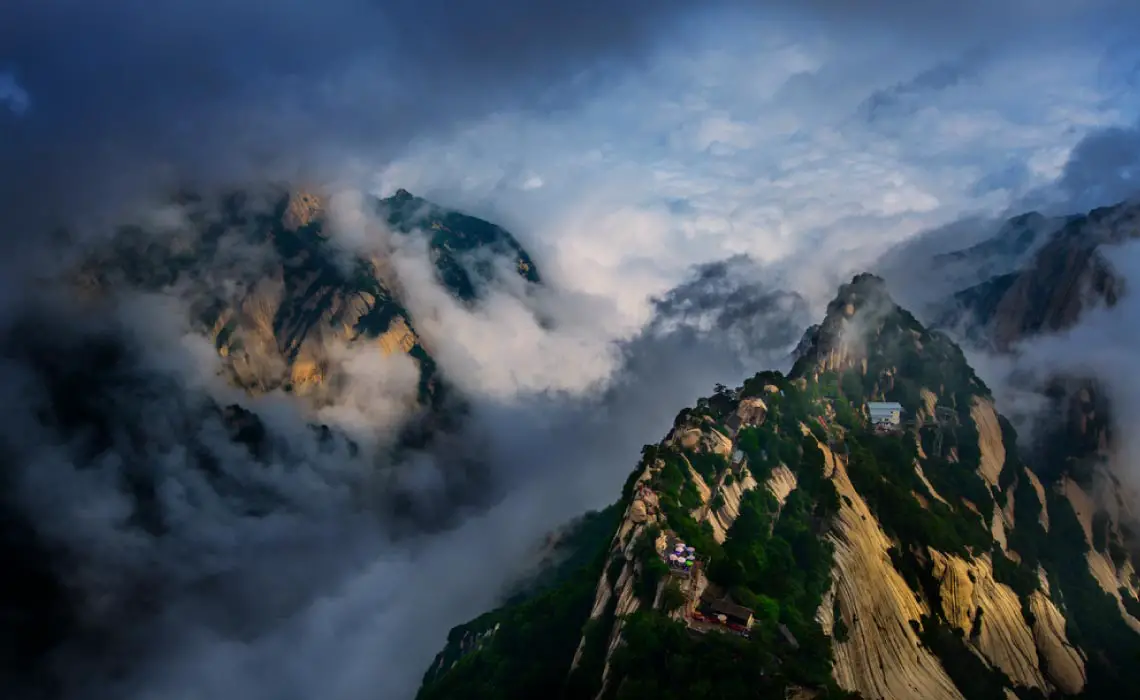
(889, 412)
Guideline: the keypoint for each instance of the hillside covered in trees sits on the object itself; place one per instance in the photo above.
(832, 558)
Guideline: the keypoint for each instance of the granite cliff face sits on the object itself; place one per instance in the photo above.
(929, 560)
(1047, 292)
(111, 462)
(262, 280)
(1069, 273)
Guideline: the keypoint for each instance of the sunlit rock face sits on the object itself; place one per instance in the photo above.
(133, 483)
(265, 279)
(932, 560)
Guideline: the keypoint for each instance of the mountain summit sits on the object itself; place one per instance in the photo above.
(777, 544)
(113, 465)
(264, 281)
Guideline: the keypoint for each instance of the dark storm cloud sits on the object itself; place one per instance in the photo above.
(731, 300)
(907, 95)
(128, 94)
(126, 98)
(1104, 168)
(134, 93)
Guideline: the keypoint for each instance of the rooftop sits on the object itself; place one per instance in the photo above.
(884, 405)
(727, 607)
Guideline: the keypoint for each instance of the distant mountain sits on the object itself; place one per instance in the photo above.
(263, 281)
(1069, 273)
(930, 561)
(462, 246)
(260, 277)
(1008, 249)
(1047, 291)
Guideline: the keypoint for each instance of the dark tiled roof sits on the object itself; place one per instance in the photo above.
(730, 609)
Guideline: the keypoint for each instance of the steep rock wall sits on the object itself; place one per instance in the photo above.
(1064, 663)
(1102, 569)
(781, 483)
(1039, 489)
(882, 658)
(722, 518)
(989, 440)
(1003, 637)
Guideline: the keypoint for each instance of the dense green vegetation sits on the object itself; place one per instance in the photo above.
(1092, 615)
(774, 560)
(838, 627)
(576, 550)
(529, 656)
(881, 468)
(584, 681)
(1022, 579)
(678, 497)
(972, 676)
(661, 660)
(959, 482)
(653, 570)
(1011, 467)
(709, 465)
(462, 246)
(777, 560)
(903, 357)
(1092, 618)
(1130, 603)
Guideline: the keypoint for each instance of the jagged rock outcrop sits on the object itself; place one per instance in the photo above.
(883, 657)
(731, 494)
(989, 440)
(1064, 662)
(781, 483)
(990, 614)
(1066, 275)
(260, 276)
(931, 559)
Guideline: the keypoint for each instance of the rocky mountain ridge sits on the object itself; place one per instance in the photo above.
(1068, 271)
(93, 401)
(925, 561)
(264, 282)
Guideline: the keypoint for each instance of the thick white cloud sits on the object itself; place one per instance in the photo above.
(763, 144)
(809, 146)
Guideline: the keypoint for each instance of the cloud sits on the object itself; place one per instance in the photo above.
(296, 546)
(225, 90)
(289, 551)
(12, 96)
(941, 76)
(1103, 168)
(692, 179)
(755, 143)
(1100, 347)
(1099, 170)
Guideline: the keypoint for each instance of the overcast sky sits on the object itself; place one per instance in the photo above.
(624, 142)
(793, 144)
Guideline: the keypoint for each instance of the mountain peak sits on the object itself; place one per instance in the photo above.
(854, 317)
(864, 293)
(889, 353)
